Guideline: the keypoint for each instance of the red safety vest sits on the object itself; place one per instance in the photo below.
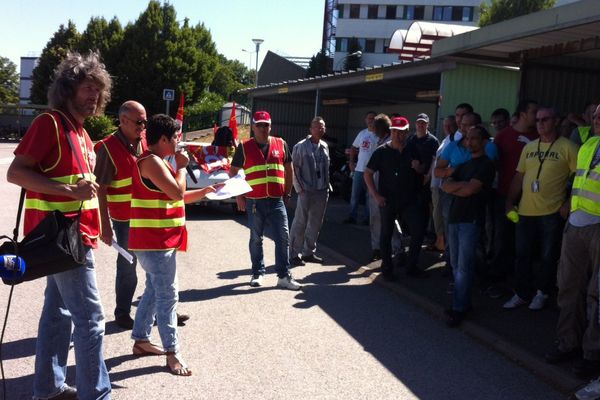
(66, 170)
(157, 222)
(118, 192)
(265, 176)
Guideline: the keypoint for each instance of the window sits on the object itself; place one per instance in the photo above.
(390, 12)
(372, 12)
(467, 14)
(354, 11)
(442, 13)
(414, 12)
(341, 44)
(340, 10)
(448, 13)
(370, 46)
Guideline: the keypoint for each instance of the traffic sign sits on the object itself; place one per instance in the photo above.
(168, 94)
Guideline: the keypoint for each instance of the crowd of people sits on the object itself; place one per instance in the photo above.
(520, 207)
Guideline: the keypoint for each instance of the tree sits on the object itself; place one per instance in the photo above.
(104, 37)
(501, 10)
(353, 62)
(9, 81)
(63, 41)
(319, 64)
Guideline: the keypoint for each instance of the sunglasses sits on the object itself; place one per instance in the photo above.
(138, 122)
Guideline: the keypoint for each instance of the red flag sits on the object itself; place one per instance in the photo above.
(179, 116)
(233, 124)
(215, 128)
(210, 158)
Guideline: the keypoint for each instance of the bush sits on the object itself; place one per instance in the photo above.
(203, 114)
(98, 127)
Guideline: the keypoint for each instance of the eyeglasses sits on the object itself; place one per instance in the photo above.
(138, 122)
(543, 119)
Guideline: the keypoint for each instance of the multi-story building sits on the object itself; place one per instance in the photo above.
(373, 22)
(26, 80)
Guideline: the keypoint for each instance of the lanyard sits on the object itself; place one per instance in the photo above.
(539, 154)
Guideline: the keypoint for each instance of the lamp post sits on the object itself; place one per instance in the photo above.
(249, 57)
(355, 54)
(257, 42)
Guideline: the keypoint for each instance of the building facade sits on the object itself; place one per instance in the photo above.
(373, 22)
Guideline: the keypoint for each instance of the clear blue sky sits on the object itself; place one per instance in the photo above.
(288, 27)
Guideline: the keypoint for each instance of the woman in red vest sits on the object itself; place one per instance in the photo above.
(156, 232)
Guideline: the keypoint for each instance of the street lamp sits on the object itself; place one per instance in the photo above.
(355, 54)
(257, 42)
(249, 57)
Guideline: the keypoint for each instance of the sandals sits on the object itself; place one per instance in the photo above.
(146, 348)
(178, 366)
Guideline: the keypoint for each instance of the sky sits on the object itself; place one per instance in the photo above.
(288, 27)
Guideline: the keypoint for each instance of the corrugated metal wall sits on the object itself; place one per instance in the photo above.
(485, 88)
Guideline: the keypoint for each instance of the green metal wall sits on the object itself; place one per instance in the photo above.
(485, 88)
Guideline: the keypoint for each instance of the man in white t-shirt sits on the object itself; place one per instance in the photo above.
(363, 146)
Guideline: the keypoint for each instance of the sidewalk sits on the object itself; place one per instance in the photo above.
(522, 335)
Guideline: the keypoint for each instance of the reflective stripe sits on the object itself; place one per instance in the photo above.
(119, 198)
(594, 175)
(64, 206)
(157, 223)
(72, 179)
(263, 167)
(586, 194)
(580, 172)
(120, 183)
(268, 179)
(156, 203)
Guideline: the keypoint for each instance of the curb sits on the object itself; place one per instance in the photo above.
(552, 375)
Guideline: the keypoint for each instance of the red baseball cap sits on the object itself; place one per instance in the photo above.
(399, 123)
(261, 116)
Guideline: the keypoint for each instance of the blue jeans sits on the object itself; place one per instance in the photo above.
(126, 280)
(268, 211)
(359, 191)
(159, 299)
(71, 296)
(546, 231)
(463, 239)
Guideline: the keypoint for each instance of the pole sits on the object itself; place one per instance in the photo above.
(168, 104)
(257, 42)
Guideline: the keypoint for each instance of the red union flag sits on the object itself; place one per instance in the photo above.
(210, 158)
(233, 124)
(179, 116)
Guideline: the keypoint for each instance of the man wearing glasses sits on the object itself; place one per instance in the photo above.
(116, 155)
(267, 163)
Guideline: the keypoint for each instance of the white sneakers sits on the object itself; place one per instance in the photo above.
(537, 303)
(590, 392)
(286, 282)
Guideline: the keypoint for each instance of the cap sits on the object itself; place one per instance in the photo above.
(399, 123)
(423, 117)
(261, 116)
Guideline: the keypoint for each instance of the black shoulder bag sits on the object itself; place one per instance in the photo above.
(54, 245)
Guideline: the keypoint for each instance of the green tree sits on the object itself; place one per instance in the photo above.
(203, 114)
(9, 81)
(353, 62)
(501, 10)
(319, 64)
(63, 41)
(104, 37)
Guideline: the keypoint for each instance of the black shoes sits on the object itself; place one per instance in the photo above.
(181, 318)
(70, 393)
(297, 261)
(557, 357)
(124, 321)
(376, 255)
(312, 259)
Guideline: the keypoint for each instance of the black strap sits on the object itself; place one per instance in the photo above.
(21, 203)
(64, 125)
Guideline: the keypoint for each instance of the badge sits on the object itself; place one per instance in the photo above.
(535, 186)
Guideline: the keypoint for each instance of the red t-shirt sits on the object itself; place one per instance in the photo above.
(510, 143)
(40, 144)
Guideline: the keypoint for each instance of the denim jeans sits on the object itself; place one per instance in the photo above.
(260, 213)
(546, 230)
(463, 239)
(159, 299)
(71, 296)
(126, 280)
(359, 190)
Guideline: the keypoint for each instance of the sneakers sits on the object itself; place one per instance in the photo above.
(287, 282)
(256, 280)
(589, 392)
(514, 302)
(312, 259)
(539, 301)
(297, 261)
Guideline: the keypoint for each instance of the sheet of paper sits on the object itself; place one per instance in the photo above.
(233, 187)
(122, 252)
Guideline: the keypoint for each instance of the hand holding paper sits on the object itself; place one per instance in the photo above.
(232, 187)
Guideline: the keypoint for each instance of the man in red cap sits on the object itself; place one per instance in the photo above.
(267, 163)
(400, 182)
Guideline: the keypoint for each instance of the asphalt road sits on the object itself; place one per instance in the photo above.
(341, 337)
